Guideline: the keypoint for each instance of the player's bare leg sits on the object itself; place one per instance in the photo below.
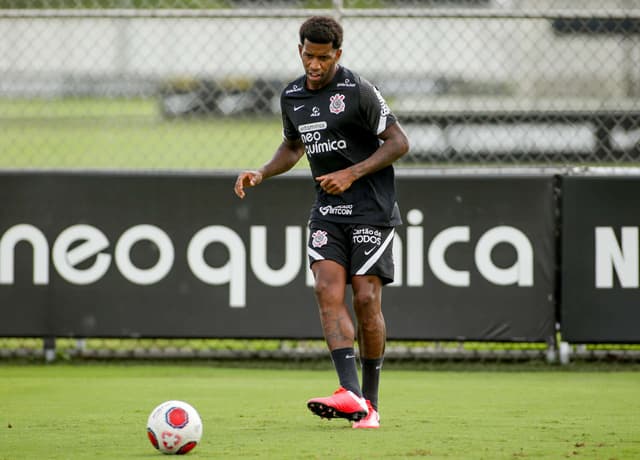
(330, 283)
(367, 303)
(339, 333)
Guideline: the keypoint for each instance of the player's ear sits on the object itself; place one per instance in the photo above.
(300, 49)
(338, 54)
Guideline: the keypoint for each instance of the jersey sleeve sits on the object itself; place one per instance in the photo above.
(289, 130)
(374, 108)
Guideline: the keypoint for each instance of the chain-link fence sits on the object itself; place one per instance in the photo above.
(193, 84)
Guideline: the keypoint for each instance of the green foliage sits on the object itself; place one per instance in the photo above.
(99, 411)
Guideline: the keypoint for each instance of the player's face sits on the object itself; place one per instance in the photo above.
(320, 62)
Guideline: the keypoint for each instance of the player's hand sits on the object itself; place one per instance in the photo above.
(246, 179)
(337, 182)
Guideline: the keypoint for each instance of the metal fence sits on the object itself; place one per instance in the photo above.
(192, 84)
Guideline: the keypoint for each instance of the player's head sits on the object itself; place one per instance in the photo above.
(321, 29)
(320, 49)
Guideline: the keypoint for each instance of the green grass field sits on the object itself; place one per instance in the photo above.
(88, 410)
(129, 134)
(91, 411)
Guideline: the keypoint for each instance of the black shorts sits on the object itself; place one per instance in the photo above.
(361, 249)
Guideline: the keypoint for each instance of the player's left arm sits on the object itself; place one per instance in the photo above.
(395, 144)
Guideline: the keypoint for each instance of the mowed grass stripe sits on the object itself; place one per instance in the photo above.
(100, 411)
(129, 134)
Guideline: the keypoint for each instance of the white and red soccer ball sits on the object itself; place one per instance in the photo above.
(174, 427)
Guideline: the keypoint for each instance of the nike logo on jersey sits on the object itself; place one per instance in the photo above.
(297, 107)
(369, 251)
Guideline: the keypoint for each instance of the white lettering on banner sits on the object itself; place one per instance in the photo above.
(293, 256)
(437, 262)
(165, 250)
(415, 237)
(65, 260)
(233, 272)
(610, 257)
(520, 273)
(82, 243)
(32, 235)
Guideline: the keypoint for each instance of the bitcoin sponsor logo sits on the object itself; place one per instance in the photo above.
(340, 210)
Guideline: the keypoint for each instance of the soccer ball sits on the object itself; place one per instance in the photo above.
(174, 427)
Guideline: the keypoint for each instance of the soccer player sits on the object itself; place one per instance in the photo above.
(351, 140)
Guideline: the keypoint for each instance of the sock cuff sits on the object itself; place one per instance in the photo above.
(343, 352)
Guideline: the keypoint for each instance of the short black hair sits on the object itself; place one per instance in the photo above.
(321, 29)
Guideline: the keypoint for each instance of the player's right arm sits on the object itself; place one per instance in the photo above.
(285, 158)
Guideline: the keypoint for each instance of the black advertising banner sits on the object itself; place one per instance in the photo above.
(600, 282)
(479, 259)
(174, 255)
(178, 255)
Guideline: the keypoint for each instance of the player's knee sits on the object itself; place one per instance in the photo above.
(366, 302)
(326, 292)
(363, 298)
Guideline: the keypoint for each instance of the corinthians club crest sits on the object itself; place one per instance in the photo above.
(336, 103)
(319, 238)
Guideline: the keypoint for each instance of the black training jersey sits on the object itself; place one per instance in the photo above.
(339, 126)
